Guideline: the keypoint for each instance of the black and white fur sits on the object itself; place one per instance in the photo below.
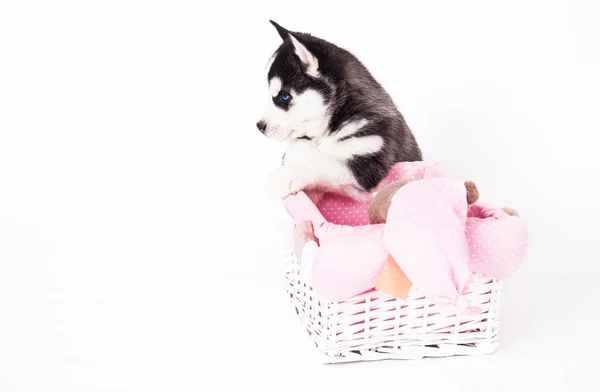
(343, 129)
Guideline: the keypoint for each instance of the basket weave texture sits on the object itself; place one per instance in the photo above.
(376, 326)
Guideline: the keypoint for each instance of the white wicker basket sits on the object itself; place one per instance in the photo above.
(377, 326)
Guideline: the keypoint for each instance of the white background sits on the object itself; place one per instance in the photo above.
(137, 245)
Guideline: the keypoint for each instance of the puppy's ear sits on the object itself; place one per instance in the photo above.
(283, 33)
(305, 55)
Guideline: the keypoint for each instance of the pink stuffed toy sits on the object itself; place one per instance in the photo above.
(436, 238)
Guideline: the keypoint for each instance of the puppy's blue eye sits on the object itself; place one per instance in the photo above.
(285, 96)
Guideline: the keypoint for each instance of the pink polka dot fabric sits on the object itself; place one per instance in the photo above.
(497, 241)
(344, 211)
(425, 234)
(348, 260)
(430, 232)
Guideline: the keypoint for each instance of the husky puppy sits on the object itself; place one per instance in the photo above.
(343, 129)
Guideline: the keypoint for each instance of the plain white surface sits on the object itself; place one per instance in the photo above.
(136, 240)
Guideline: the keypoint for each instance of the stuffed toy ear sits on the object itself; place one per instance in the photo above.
(511, 211)
(472, 192)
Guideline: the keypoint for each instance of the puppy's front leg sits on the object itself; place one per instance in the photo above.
(306, 167)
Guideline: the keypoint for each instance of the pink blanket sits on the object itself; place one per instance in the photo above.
(430, 232)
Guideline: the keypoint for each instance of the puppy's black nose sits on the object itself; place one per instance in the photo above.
(261, 125)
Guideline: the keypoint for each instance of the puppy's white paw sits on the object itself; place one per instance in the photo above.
(287, 182)
(281, 183)
(298, 184)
